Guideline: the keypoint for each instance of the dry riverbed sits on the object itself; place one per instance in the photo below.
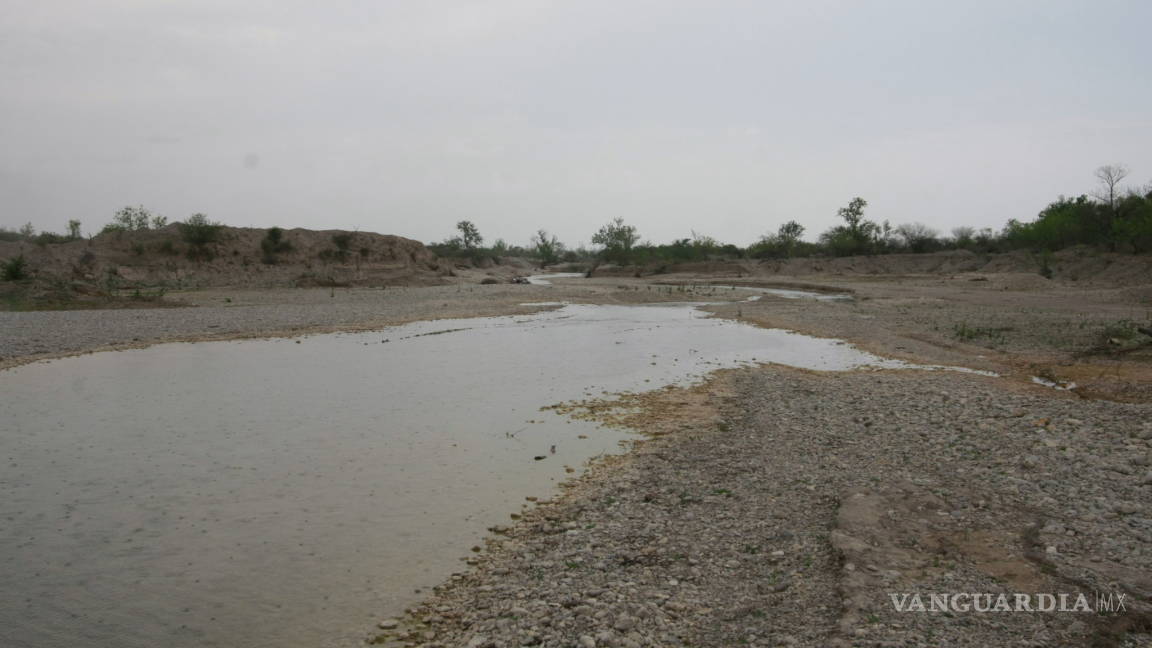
(774, 506)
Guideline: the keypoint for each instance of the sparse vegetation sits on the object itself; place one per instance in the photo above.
(133, 219)
(14, 269)
(994, 335)
(274, 244)
(200, 233)
(616, 240)
(342, 243)
(548, 248)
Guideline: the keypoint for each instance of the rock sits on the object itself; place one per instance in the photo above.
(586, 641)
(624, 623)
(388, 624)
(1125, 508)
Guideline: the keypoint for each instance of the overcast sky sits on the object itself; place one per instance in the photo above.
(723, 117)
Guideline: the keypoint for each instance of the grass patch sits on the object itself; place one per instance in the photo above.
(991, 334)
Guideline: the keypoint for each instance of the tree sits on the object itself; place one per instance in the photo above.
(862, 231)
(469, 236)
(963, 237)
(548, 248)
(857, 235)
(788, 235)
(917, 237)
(74, 230)
(1110, 176)
(130, 219)
(617, 240)
(27, 232)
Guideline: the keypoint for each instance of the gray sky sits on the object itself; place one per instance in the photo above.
(725, 117)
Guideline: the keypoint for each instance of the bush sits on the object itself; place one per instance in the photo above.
(273, 244)
(131, 219)
(14, 269)
(199, 232)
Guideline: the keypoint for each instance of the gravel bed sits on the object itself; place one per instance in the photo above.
(782, 508)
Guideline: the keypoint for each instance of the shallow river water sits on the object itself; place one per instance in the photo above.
(291, 492)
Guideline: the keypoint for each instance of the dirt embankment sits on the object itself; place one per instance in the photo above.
(1079, 265)
(161, 258)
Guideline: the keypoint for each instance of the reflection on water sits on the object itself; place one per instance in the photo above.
(290, 492)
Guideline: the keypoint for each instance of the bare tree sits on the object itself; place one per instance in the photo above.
(1110, 176)
(963, 236)
(917, 237)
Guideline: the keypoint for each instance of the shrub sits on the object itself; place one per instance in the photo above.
(273, 244)
(342, 241)
(199, 232)
(133, 219)
(14, 269)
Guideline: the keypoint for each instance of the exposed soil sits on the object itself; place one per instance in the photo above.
(153, 259)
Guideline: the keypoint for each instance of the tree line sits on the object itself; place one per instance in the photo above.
(1114, 217)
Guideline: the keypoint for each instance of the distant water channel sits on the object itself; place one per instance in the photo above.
(291, 492)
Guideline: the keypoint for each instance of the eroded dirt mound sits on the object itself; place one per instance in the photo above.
(154, 258)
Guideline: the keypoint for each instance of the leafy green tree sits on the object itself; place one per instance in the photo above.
(130, 219)
(74, 230)
(857, 235)
(617, 240)
(547, 247)
(470, 237)
(788, 236)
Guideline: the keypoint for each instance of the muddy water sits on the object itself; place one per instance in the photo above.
(293, 492)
